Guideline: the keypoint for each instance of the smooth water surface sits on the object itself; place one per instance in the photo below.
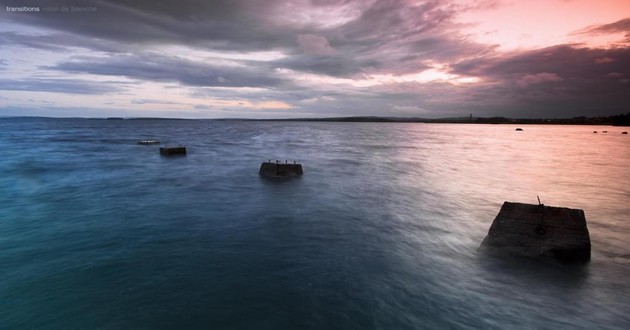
(381, 232)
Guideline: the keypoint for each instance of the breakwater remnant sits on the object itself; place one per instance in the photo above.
(173, 151)
(148, 142)
(539, 231)
(278, 169)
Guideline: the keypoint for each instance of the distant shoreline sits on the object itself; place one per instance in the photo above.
(616, 120)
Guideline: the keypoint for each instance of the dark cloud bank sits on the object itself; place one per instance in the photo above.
(376, 37)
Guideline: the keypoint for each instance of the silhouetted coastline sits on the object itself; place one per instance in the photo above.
(614, 120)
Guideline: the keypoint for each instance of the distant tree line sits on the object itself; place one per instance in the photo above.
(621, 120)
(616, 120)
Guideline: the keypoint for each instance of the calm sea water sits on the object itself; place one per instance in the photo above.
(381, 232)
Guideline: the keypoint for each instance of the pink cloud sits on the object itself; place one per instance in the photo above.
(314, 45)
(537, 78)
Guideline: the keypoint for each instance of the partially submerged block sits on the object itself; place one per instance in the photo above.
(148, 142)
(278, 169)
(539, 231)
(173, 151)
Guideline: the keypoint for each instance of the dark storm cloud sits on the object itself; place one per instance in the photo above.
(337, 66)
(152, 101)
(447, 49)
(395, 37)
(68, 86)
(392, 20)
(621, 26)
(50, 42)
(216, 24)
(155, 67)
(387, 36)
(391, 37)
(60, 42)
(339, 38)
(566, 60)
(557, 76)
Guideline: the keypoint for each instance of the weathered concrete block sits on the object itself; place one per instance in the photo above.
(168, 151)
(539, 231)
(278, 170)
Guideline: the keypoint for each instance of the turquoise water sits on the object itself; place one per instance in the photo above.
(381, 232)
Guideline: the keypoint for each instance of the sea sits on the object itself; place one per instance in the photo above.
(380, 232)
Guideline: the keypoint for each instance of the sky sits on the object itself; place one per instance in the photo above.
(314, 58)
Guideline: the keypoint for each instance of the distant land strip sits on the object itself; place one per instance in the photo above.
(615, 120)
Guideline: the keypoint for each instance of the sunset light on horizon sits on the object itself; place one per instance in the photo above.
(284, 59)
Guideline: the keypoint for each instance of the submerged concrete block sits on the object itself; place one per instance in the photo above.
(168, 151)
(278, 169)
(539, 231)
(148, 142)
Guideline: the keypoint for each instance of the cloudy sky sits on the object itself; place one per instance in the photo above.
(315, 58)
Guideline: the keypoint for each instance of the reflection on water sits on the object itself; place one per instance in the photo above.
(381, 231)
